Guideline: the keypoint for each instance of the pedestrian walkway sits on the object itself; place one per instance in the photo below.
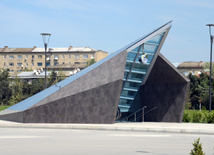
(190, 128)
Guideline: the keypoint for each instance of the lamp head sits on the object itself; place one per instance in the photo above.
(45, 34)
(210, 25)
(46, 37)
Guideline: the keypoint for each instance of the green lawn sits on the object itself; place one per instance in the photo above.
(4, 107)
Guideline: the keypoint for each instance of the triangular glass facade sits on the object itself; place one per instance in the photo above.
(135, 71)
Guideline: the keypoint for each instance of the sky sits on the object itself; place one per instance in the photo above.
(109, 25)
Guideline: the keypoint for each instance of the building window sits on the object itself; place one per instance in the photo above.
(56, 63)
(92, 57)
(85, 56)
(39, 64)
(84, 62)
(5, 56)
(4, 64)
(77, 56)
(32, 64)
(26, 57)
(76, 62)
(19, 56)
(19, 64)
(32, 57)
(11, 57)
(56, 57)
(63, 56)
(63, 63)
(19, 70)
(11, 64)
(69, 62)
(69, 56)
(48, 63)
(26, 64)
(11, 70)
(39, 56)
(48, 58)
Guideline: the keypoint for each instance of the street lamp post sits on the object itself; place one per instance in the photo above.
(211, 42)
(46, 38)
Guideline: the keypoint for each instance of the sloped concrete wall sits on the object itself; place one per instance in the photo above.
(95, 106)
(166, 88)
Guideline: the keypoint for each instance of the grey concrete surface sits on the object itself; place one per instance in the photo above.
(31, 141)
(188, 128)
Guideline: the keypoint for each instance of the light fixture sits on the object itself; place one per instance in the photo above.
(46, 38)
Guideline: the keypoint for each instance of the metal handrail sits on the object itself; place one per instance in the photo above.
(150, 110)
(141, 116)
(133, 114)
(146, 113)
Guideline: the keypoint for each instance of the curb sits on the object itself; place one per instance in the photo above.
(108, 128)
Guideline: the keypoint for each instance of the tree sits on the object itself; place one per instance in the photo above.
(52, 79)
(199, 88)
(60, 76)
(36, 86)
(197, 150)
(194, 96)
(5, 91)
(16, 88)
(90, 62)
(25, 89)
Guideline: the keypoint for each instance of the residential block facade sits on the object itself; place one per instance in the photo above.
(196, 68)
(19, 59)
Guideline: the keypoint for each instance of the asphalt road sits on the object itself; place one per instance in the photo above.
(24, 141)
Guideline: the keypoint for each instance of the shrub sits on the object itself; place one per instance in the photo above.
(197, 116)
(203, 108)
(186, 117)
(209, 117)
(197, 150)
(204, 118)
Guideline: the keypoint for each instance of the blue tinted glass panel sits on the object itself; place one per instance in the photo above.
(126, 93)
(140, 67)
(48, 63)
(155, 39)
(131, 56)
(128, 65)
(150, 48)
(136, 76)
(125, 75)
(136, 49)
(132, 85)
(150, 57)
(125, 102)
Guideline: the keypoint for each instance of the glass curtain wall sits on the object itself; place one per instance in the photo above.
(136, 71)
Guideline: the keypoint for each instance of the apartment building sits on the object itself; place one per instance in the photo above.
(19, 59)
(196, 68)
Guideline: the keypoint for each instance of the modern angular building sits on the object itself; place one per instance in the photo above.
(121, 81)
